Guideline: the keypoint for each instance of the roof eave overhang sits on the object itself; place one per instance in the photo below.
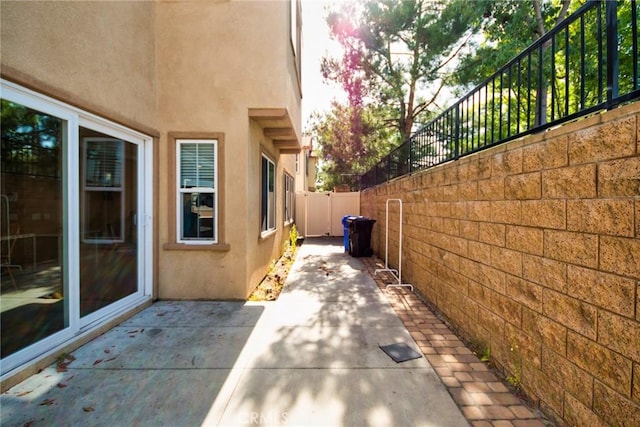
(277, 125)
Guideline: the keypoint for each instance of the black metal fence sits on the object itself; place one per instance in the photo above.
(587, 63)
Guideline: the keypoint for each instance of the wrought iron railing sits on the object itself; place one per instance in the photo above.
(587, 63)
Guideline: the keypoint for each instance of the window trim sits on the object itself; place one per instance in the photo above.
(269, 230)
(179, 191)
(173, 243)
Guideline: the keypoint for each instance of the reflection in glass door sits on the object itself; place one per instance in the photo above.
(34, 301)
(108, 215)
(72, 250)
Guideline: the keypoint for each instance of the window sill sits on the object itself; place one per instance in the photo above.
(267, 234)
(219, 247)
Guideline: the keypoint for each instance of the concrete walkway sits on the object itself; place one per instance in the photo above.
(310, 358)
(482, 396)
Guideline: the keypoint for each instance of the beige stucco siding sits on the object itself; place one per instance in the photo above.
(176, 68)
(216, 60)
(98, 55)
(261, 250)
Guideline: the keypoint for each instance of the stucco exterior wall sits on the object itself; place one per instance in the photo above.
(95, 55)
(215, 61)
(261, 250)
(532, 250)
(174, 68)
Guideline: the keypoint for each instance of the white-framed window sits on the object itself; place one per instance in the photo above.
(268, 178)
(103, 186)
(289, 198)
(197, 191)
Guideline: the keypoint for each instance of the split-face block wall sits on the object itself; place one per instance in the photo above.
(532, 250)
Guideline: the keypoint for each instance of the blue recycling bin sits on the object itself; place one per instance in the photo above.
(345, 230)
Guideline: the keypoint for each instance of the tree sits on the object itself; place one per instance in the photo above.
(509, 27)
(396, 55)
(350, 141)
(31, 141)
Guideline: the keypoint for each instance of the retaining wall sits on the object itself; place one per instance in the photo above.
(532, 250)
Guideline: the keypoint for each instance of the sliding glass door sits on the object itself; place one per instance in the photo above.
(34, 302)
(74, 245)
(108, 220)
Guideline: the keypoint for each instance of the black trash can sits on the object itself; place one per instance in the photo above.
(360, 236)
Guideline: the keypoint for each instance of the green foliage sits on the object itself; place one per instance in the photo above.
(508, 27)
(271, 285)
(349, 142)
(395, 63)
(399, 51)
(293, 238)
(30, 140)
(482, 350)
(513, 101)
(514, 381)
(485, 355)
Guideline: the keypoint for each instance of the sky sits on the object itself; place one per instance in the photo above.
(316, 95)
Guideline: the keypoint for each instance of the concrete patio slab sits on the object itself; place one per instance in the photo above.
(164, 348)
(198, 313)
(341, 397)
(114, 397)
(306, 311)
(351, 346)
(310, 358)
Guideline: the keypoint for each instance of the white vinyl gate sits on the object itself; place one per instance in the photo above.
(320, 213)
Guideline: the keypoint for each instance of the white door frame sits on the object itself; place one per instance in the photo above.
(77, 327)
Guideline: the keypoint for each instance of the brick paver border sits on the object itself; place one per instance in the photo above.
(483, 398)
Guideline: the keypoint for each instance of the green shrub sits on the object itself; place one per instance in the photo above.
(293, 238)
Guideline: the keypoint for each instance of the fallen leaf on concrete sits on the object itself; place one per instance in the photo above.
(88, 409)
(61, 385)
(64, 362)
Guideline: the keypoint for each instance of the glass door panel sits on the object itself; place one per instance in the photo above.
(108, 214)
(33, 293)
